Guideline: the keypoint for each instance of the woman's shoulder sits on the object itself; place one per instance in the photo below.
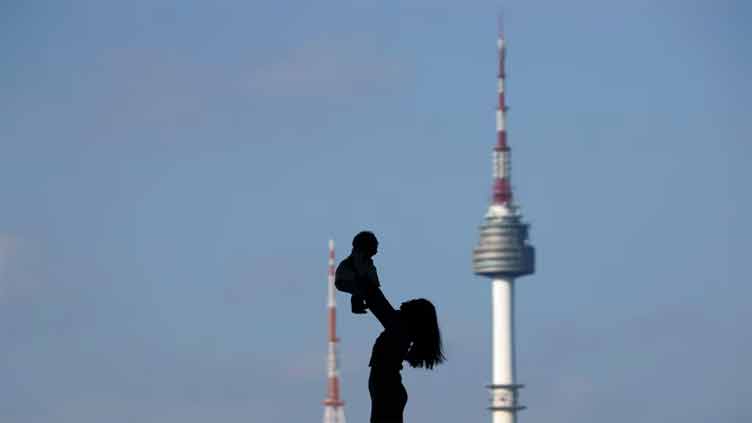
(397, 325)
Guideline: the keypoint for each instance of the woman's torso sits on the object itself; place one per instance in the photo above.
(390, 348)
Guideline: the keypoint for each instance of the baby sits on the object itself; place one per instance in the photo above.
(356, 272)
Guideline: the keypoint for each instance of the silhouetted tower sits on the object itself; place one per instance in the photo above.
(334, 411)
(503, 254)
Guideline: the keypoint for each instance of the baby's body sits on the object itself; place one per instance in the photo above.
(355, 274)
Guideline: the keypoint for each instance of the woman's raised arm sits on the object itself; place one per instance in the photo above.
(380, 306)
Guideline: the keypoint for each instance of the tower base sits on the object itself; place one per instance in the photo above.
(504, 406)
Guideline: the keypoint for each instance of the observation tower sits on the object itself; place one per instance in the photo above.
(503, 254)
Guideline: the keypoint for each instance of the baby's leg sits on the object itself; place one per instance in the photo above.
(358, 304)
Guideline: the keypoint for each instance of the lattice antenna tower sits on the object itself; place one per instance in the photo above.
(334, 407)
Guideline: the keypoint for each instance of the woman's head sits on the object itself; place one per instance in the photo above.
(426, 350)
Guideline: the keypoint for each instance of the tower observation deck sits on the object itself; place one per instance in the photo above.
(503, 251)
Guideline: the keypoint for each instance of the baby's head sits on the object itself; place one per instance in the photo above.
(365, 243)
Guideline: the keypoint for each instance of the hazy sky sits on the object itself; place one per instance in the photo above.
(170, 173)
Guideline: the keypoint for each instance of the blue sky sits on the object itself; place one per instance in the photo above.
(170, 173)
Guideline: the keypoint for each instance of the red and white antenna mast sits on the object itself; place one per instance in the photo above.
(334, 411)
(502, 187)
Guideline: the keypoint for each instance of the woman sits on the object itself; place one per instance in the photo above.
(410, 333)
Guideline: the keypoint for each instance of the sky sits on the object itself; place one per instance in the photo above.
(171, 173)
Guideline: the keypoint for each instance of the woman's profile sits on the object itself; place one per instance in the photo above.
(410, 334)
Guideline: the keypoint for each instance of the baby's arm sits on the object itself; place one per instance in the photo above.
(365, 281)
(365, 272)
(372, 276)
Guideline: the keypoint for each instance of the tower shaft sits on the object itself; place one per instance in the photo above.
(334, 411)
(502, 293)
(503, 388)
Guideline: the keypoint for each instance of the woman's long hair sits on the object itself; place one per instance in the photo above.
(426, 350)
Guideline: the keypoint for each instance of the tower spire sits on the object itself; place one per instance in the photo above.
(334, 411)
(502, 186)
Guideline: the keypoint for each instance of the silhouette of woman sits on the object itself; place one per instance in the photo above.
(410, 333)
